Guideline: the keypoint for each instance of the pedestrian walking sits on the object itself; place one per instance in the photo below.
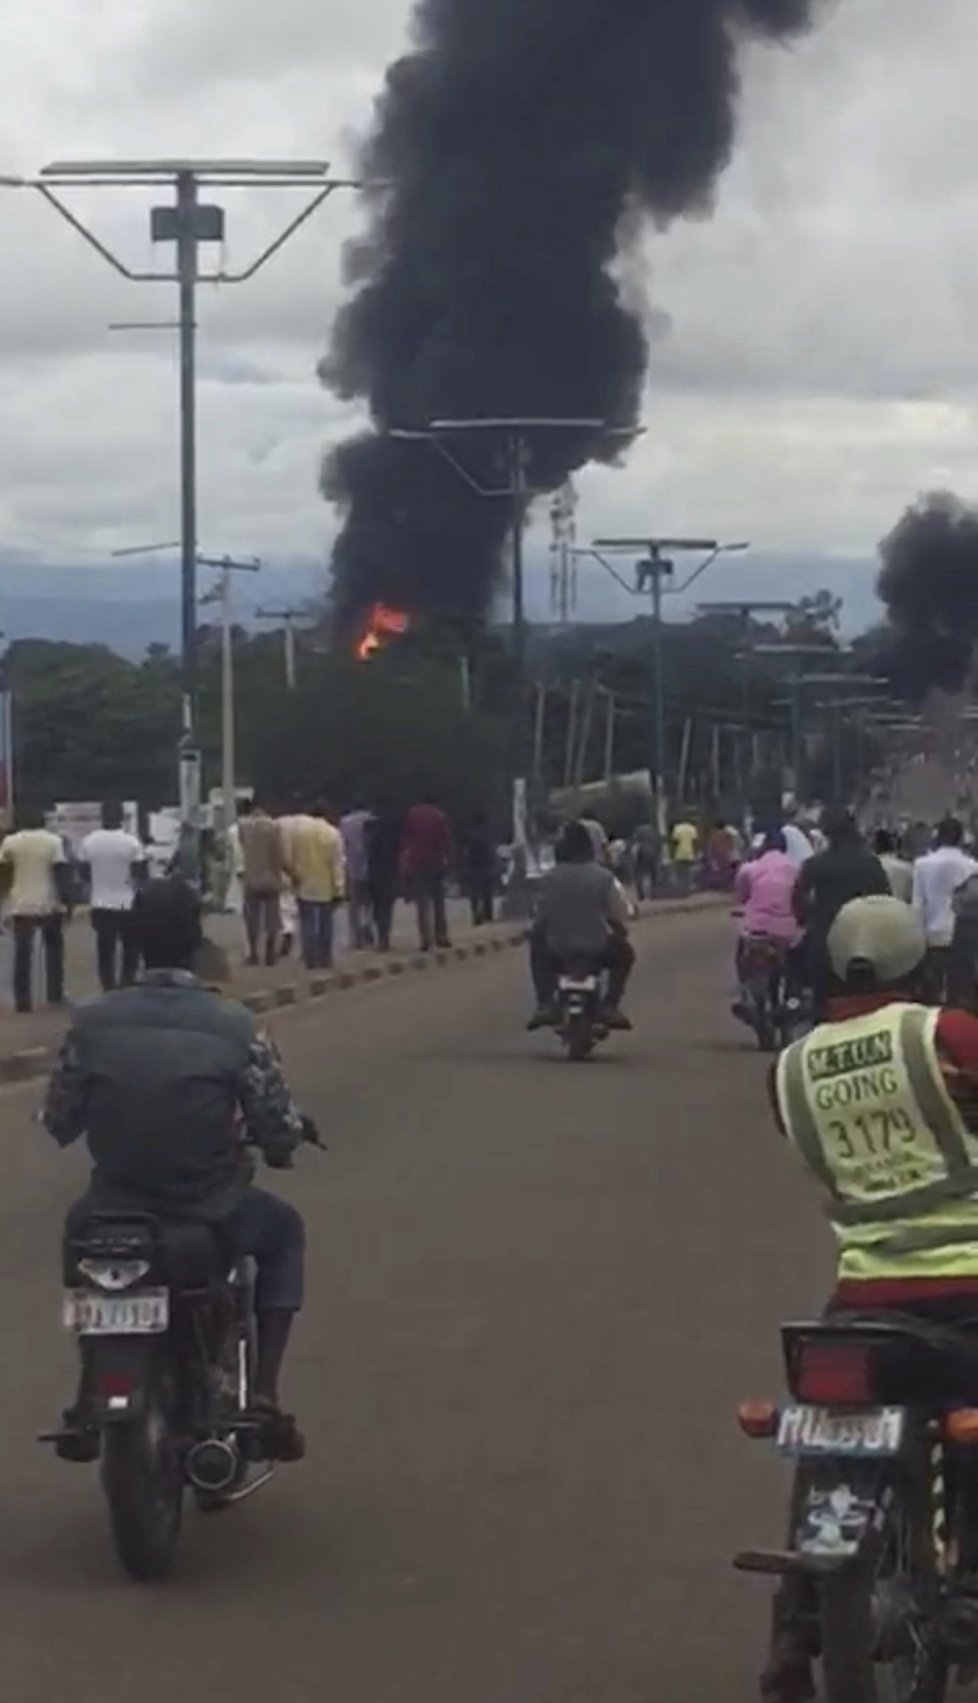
(317, 869)
(263, 860)
(36, 873)
(479, 861)
(383, 842)
(113, 862)
(685, 852)
(427, 855)
(646, 859)
(353, 827)
(936, 878)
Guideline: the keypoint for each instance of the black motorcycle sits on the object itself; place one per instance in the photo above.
(165, 1320)
(883, 1529)
(580, 1009)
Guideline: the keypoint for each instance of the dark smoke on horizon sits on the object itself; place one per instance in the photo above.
(519, 140)
(929, 583)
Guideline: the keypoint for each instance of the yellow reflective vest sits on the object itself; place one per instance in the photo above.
(866, 1105)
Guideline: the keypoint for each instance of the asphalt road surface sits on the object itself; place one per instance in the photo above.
(537, 1292)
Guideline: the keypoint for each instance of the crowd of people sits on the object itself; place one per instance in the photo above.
(289, 874)
(293, 871)
(791, 892)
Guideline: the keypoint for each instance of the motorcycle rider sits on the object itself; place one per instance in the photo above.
(163, 1079)
(905, 1210)
(764, 889)
(582, 912)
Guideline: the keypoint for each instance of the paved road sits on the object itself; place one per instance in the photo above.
(537, 1292)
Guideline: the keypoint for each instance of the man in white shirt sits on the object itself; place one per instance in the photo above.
(114, 861)
(34, 873)
(936, 878)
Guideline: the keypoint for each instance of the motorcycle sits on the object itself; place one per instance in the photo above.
(165, 1320)
(773, 1009)
(883, 1529)
(580, 1005)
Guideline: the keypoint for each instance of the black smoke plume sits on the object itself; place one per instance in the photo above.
(929, 583)
(518, 142)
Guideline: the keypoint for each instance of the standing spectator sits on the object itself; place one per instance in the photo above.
(353, 827)
(646, 859)
(316, 865)
(34, 868)
(263, 858)
(899, 872)
(936, 877)
(113, 862)
(383, 839)
(685, 851)
(427, 855)
(479, 868)
(599, 838)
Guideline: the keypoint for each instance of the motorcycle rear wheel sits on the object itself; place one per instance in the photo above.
(918, 1670)
(579, 1040)
(143, 1482)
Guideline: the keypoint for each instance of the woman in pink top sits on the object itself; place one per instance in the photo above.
(764, 888)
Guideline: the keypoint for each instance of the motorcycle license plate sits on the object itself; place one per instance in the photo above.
(872, 1432)
(588, 986)
(89, 1313)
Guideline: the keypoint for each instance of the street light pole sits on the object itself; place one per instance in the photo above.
(225, 566)
(652, 571)
(186, 223)
(186, 231)
(517, 433)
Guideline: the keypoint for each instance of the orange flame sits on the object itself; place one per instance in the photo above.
(383, 623)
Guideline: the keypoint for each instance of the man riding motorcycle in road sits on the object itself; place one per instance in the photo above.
(764, 890)
(881, 1102)
(582, 913)
(166, 1081)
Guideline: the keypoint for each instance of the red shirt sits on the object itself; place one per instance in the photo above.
(957, 1046)
(427, 845)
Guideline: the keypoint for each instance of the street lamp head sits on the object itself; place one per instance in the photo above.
(154, 169)
(9, 181)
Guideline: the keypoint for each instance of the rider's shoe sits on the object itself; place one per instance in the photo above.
(616, 1019)
(545, 1017)
(280, 1436)
(788, 1678)
(79, 1441)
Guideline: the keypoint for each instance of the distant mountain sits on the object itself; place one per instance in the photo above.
(132, 604)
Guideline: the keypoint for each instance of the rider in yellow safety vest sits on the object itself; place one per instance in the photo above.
(881, 1104)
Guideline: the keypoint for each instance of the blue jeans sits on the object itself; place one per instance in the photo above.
(272, 1232)
(316, 924)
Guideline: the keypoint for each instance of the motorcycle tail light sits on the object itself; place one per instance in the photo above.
(758, 1418)
(113, 1274)
(112, 1385)
(837, 1374)
(961, 1426)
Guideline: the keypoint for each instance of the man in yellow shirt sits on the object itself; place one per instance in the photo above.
(314, 855)
(685, 851)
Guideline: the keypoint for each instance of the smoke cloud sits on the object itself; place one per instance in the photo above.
(520, 141)
(929, 583)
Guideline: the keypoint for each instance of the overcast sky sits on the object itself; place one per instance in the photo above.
(817, 360)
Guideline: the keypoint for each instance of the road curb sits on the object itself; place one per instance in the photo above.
(30, 1062)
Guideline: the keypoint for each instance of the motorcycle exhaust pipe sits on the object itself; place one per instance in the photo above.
(213, 1465)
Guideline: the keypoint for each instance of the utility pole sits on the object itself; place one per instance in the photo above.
(226, 566)
(518, 434)
(288, 617)
(186, 223)
(650, 575)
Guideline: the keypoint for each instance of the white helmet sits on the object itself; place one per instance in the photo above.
(878, 939)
